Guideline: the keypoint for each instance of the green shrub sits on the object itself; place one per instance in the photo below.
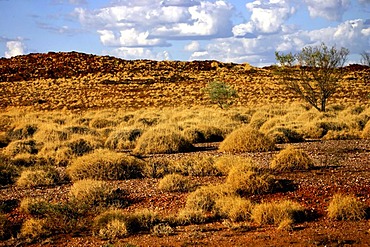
(274, 213)
(291, 159)
(123, 138)
(346, 207)
(246, 139)
(234, 208)
(104, 164)
(175, 183)
(162, 140)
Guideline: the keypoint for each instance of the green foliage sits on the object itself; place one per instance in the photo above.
(220, 93)
(319, 71)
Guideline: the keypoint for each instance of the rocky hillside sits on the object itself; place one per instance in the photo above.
(79, 81)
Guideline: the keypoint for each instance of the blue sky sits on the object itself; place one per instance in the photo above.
(225, 30)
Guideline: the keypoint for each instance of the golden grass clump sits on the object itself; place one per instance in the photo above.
(158, 167)
(204, 198)
(22, 131)
(49, 132)
(244, 179)
(33, 229)
(124, 138)
(162, 140)
(247, 139)
(234, 208)
(225, 163)
(90, 192)
(104, 164)
(199, 165)
(203, 133)
(291, 159)
(175, 183)
(276, 213)
(80, 145)
(8, 172)
(366, 131)
(38, 177)
(20, 147)
(188, 216)
(346, 207)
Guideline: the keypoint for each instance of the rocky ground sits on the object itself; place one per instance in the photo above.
(341, 167)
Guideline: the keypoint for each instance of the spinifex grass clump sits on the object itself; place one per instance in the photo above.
(234, 208)
(291, 159)
(346, 207)
(38, 177)
(124, 138)
(225, 163)
(175, 183)
(247, 139)
(199, 165)
(276, 213)
(105, 164)
(164, 139)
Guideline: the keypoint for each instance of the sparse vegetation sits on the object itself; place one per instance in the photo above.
(346, 207)
(220, 93)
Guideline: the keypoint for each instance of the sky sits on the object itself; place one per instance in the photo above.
(239, 31)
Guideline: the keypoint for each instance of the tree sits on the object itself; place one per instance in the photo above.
(314, 73)
(365, 58)
(220, 93)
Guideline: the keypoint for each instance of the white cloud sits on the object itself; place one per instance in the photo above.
(155, 22)
(193, 46)
(139, 53)
(267, 17)
(14, 48)
(332, 10)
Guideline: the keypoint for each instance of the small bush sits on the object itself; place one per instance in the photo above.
(246, 139)
(86, 193)
(38, 177)
(104, 164)
(22, 131)
(162, 229)
(114, 229)
(346, 207)
(204, 133)
(34, 229)
(366, 131)
(81, 145)
(158, 167)
(162, 140)
(275, 213)
(188, 216)
(8, 172)
(244, 181)
(234, 208)
(204, 198)
(291, 159)
(285, 135)
(175, 183)
(123, 138)
(225, 163)
(19, 147)
(34, 206)
(196, 166)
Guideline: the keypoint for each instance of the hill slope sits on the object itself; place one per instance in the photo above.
(79, 81)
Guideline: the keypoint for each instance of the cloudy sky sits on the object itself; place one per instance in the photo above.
(225, 30)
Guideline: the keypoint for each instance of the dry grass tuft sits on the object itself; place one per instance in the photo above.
(225, 163)
(38, 177)
(291, 159)
(366, 131)
(20, 147)
(242, 179)
(33, 229)
(124, 138)
(175, 183)
(277, 213)
(162, 140)
(346, 207)
(189, 216)
(105, 164)
(199, 165)
(247, 139)
(234, 208)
